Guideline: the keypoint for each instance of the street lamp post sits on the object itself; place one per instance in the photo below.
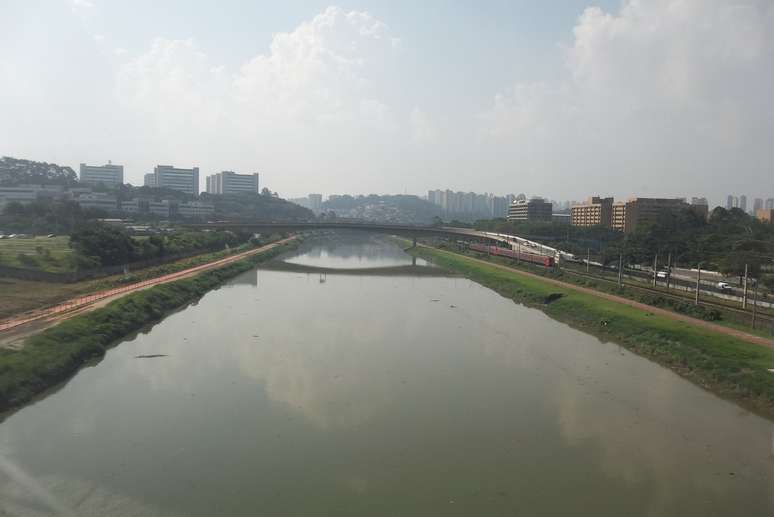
(698, 282)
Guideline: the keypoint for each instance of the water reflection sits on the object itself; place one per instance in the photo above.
(383, 396)
(352, 250)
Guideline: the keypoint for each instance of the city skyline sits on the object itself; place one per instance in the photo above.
(649, 98)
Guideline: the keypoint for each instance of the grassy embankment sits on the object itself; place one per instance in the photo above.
(729, 367)
(23, 295)
(46, 254)
(57, 353)
(714, 313)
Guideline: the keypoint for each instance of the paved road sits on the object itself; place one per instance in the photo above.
(750, 338)
(15, 330)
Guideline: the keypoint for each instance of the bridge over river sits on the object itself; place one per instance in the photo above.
(406, 230)
(404, 270)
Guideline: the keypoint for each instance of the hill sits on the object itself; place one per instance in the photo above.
(15, 171)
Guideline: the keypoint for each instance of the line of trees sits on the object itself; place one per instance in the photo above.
(97, 244)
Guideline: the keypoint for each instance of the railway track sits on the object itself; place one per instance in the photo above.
(760, 316)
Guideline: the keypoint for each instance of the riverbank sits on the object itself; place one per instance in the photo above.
(723, 364)
(22, 297)
(58, 352)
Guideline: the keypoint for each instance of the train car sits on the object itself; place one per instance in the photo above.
(533, 258)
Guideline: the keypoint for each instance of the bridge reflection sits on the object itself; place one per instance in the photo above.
(404, 270)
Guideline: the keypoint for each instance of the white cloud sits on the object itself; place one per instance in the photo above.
(316, 87)
(660, 88)
(320, 73)
(81, 5)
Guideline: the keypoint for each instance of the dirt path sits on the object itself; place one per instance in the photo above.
(750, 338)
(14, 331)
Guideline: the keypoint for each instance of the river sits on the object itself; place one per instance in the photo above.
(293, 393)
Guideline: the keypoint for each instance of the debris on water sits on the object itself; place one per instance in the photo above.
(435, 300)
(452, 306)
(150, 356)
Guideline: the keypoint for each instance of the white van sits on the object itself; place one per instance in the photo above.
(724, 286)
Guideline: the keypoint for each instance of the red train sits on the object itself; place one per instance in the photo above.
(505, 252)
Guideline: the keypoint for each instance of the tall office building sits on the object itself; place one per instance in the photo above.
(729, 202)
(757, 205)
(700, 206)
(229, 182)
(743, 203)
(646, 210)
(315, 202)
(536, 209)
(184, 180)
(149, 180)
(769, 203)
(597, 211)
(109, 175)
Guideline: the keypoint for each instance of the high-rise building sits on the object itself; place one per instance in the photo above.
(109, 175)
(596, 211)
(470, 203)
(729, 202)
(229, 182)
(315, 202)
(184, 180)
(536, 209)
(618, 218)
(700, 206)
(766, 215)
(644, 210)
(769, 203)
(149, 180)
(757, 205)
(743, 203)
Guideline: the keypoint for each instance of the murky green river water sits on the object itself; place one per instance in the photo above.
(287, 393)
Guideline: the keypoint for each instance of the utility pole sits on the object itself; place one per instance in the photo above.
(669, 269)
(620, 270)
(588, 259)
(755, 303)
(744, 295)
(698, 283)
(655, 268)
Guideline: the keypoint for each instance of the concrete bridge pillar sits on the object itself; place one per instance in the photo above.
(414, 245)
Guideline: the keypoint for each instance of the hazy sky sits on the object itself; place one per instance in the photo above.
(647, 97)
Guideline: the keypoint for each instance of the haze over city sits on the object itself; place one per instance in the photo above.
(621, 98)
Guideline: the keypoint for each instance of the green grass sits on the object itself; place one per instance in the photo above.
(725, 365)
(57, 353)
(52, 255)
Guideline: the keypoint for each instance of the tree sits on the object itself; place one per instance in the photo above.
(111, 246)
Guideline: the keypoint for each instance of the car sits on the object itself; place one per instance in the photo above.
(662, 274)
(723, 286)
